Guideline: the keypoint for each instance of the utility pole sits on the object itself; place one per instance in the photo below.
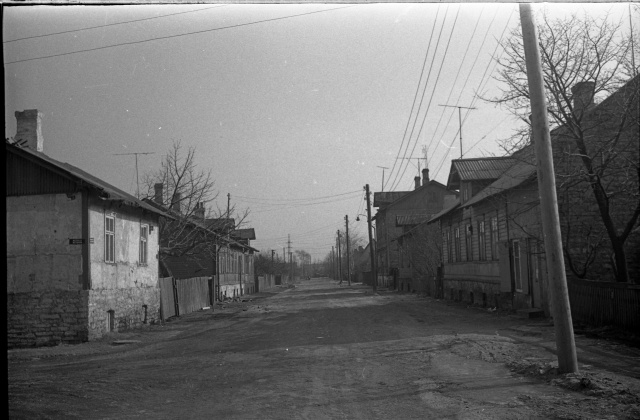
(383, 168)
(333, 262)
(459, 120)
(561, 310)
(372, 254)
(136, 155)
(290, 257)
(346, 219)
(339, 260)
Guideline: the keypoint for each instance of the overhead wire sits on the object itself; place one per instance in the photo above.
(415, 97)
(475, 60)
(483, 82)
(424, 89)
(111, 24)
(177, 35)
(435, 86)
(471, 38)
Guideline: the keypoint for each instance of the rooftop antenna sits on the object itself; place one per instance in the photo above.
(383, 168)
(136, 155)
(459, 120)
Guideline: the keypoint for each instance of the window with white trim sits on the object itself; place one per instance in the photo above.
(144, 237)
(109, 238)
(482, 252)
(494, 238)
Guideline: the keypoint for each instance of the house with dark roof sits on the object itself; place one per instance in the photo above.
(81, 253)
(397, 213)
(491, 240)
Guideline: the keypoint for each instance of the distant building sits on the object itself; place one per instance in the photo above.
(398, 212)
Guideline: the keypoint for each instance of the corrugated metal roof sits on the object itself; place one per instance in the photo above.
(477, 169)
(381, 199)
(412, 219)
(105, 189)
(513, 177)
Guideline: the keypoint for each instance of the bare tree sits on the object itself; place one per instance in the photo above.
(184, 189)
(585, 59)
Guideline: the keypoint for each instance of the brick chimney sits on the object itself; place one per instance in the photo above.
(425, 176)
(199, 211)
(158, 190)
(582, 96)
(29, 129)
(176, 202)
(417, 181)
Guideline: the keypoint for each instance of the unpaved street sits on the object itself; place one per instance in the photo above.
(324, 351)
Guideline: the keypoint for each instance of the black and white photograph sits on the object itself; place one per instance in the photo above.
(322, 210)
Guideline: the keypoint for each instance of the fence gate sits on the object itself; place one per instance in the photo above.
(167, 297)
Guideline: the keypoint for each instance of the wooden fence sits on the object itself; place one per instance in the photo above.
(601, 303)
(183, 296)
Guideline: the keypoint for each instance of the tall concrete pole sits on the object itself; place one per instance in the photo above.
(346, 219)
(561, 310)
(372, 254)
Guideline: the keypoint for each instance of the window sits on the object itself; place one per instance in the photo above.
(144, 236)
(517, 277)
(494, 238)
(467, 242)
(109, 239)
(456, 237)
(482, 251)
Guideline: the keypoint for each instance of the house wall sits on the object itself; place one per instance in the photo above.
(46, 304)
(428, 199)
(126, 288)
(489, 281)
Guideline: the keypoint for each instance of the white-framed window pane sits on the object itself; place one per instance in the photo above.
(109, 239)
(144, 237)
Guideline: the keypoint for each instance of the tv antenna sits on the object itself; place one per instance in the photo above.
(459, 120)
(136, 155)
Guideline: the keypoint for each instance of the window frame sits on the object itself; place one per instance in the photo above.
(482, 244)
(143, 254)
(456, 239)
(495, 236)
(110, 238)
(468, 241)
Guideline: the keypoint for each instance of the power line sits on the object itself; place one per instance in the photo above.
(475, 60)
(483, 82)
(289, 200)
(178, 35)
(471, 38)
(434, 87)
(111, 24)
(415, 97)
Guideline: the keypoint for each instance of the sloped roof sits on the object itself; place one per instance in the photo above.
(381, 199)
(444, 211)
(104, 189)
(412, 219)
(477, 169)
(188, 267)
(248, 233)
(513, 177)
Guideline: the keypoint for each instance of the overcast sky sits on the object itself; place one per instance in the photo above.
(294, 108)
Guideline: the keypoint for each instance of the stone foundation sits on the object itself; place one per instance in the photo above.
(122, 309)
(46, 318)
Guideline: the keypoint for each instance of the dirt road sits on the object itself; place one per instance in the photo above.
(323, 351)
